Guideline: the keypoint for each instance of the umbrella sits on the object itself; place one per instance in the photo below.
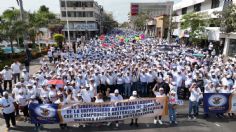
(199, 55)
(56, 82)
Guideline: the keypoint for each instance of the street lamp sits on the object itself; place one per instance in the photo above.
(67, 22)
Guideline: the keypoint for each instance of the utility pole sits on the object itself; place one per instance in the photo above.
(170, 23)
(67, 23)
(20, 3)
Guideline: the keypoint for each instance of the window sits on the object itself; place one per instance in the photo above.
(215, 4)
(184, 10)
(197, 7)
(63, 14)
(63, 3)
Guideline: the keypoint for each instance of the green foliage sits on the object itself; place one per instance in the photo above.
(196, 22)
(12, 28)
(227, 19)
(124, 25)
(109, 23)
(140, 21)
(59, 38)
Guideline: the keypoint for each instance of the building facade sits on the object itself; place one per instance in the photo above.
(153, 11)
(85, 18)
(207, 7)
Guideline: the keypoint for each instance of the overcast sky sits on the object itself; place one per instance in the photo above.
(120, 8)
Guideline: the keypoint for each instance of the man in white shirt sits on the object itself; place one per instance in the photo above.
(128, 80)
(8, 109)
(114, 97)
(7, 77)
(86, 94)
(15, 67)
(143, 83)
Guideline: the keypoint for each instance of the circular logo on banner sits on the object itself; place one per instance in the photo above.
(45, 111)
(217, 100)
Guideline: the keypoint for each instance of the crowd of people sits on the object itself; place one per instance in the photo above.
(128, 70)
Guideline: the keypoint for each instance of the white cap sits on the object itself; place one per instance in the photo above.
(5, 93)
(135, 93)
(79, 94)
(116, 91)
(18, 84)
(161, 89)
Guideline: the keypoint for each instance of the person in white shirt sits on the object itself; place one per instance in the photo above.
(188, 83)
(114, 97)
(195, 94)
(15, 67)
(50, 56)
(99, 98)
(25, 75)
(133, 97)
(22, 101)
(120, 83)
(158, 93)
(143, 83)
(7, 78)
(150, 81)
(86, 94)
(8, 109)
(110, 81)
(127, 80)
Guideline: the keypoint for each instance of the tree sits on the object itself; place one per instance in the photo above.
(140, 21)
(125, 25)
(109, 23)
(11, 27)
(59, 38)
(227, 18)
(196, 22)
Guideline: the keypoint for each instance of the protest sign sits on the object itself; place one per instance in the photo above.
(216, 102)
(98, 112)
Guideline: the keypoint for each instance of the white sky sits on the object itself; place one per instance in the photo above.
(120, 8)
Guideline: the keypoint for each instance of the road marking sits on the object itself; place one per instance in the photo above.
(217, 124)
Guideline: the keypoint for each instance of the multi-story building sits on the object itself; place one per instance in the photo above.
(207, 7)
(153, 10)
(84, 17)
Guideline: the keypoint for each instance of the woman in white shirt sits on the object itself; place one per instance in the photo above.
(195, 93)
(159, 93)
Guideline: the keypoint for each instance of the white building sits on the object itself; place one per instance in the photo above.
(203, 6)
(84, 16)
(213, 31)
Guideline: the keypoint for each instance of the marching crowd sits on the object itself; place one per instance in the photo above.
(92, 73)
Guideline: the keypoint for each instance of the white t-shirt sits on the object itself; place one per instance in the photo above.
(7, 74)
(114, 98)
(15, 68)
(21, 100)
(86, 95)
(195, 94)
(7, 105)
